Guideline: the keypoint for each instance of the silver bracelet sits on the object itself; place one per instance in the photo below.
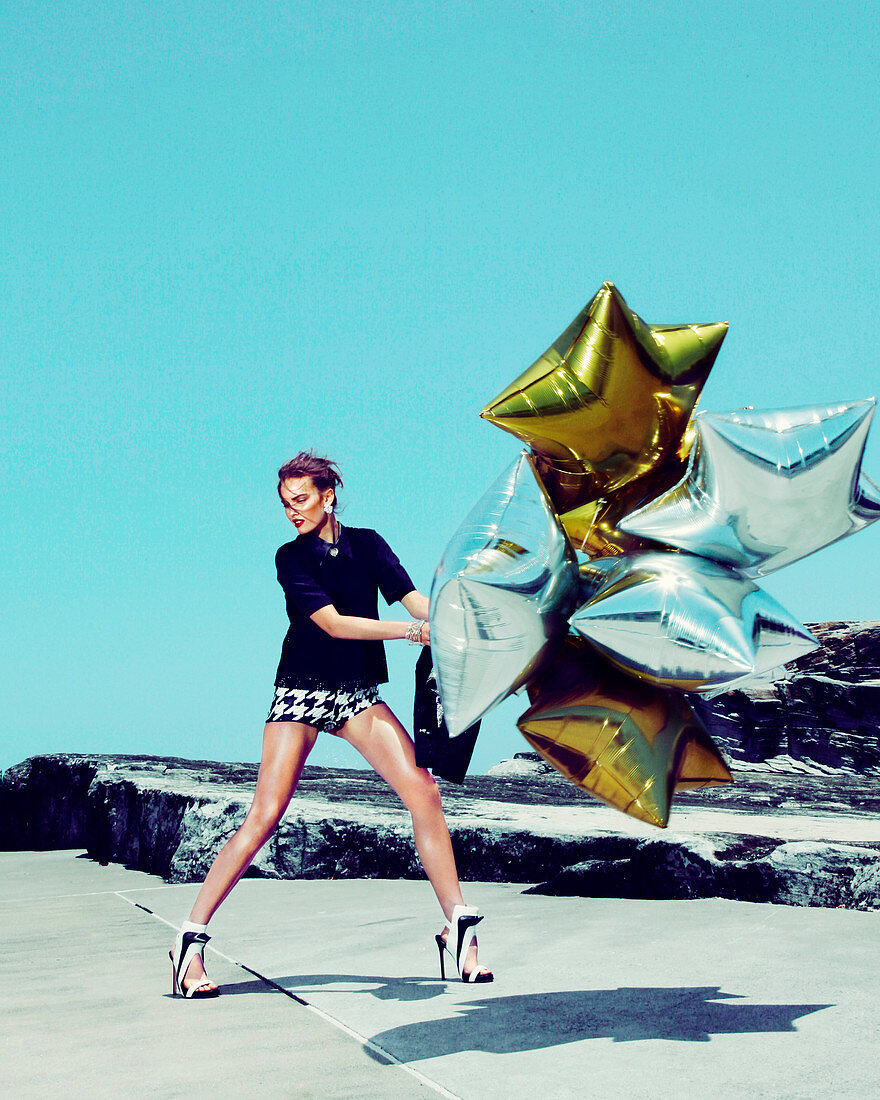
(414, 632)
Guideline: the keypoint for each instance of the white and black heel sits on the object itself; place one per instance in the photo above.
(460, 936)
(191, 940)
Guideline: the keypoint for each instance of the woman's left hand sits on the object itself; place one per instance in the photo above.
(425, 633)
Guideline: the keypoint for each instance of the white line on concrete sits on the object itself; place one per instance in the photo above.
(374, 1047)
(89, 894)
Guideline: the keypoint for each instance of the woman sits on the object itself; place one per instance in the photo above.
(332, 662)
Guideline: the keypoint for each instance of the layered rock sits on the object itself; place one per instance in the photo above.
(823, 708)
(171, 817)
(801, 825)
(801, 872)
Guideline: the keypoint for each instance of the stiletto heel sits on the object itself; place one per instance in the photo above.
(191, 940)
(461, 925)
(441, 943)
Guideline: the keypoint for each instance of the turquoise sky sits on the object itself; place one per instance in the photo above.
(231, 231)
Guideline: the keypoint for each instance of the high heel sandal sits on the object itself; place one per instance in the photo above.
(461, 925)
(191, 940)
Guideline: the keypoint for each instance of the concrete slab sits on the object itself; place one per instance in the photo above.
(593, 997)
(87, 1011)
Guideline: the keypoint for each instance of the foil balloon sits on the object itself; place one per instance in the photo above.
(609, 400)
(764, 489)
(628, 743)
(685, 622)
(595, 528)
(673, 516)
(501, 594)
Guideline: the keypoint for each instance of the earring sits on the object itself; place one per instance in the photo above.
(328, 507)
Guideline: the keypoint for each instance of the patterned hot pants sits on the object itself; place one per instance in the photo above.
(326, 710)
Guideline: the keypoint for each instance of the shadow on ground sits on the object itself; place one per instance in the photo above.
(534, 1021)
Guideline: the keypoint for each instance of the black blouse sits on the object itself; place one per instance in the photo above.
(312, 577)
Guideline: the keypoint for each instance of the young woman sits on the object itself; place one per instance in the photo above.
(332, 662)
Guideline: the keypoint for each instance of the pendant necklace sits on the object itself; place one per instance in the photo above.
(333, 549)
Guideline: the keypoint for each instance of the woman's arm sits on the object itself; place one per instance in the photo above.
(416, 604)
(357, 628)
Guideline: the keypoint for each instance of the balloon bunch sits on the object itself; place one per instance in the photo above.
(613, 566)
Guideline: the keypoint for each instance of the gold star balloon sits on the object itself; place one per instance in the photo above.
(629, 744)
(595, 528)
(609, 400)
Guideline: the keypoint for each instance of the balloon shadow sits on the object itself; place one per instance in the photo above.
(534, 1021)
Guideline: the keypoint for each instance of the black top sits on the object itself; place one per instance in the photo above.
(350, 579)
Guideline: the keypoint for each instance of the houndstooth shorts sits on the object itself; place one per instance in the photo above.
(326, 710)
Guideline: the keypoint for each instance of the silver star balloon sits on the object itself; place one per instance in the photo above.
(764, 489)
(502, 593)
(684, 622)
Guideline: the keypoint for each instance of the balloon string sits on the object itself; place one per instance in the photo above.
(599, 503)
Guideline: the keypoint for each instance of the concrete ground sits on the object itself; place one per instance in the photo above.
(331, 989)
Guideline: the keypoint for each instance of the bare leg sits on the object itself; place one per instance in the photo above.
(387, 747)
(286, 746)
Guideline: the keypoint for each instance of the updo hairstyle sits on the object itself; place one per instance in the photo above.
(323, 472)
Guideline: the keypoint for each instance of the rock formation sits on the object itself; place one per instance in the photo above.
(823, 708)
(801, 825)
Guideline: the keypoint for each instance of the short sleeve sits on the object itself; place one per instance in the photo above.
(299, 585)
(394, 581)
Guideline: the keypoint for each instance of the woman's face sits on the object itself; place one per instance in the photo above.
(304, 504)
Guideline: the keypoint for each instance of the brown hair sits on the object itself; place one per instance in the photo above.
(323, 471)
